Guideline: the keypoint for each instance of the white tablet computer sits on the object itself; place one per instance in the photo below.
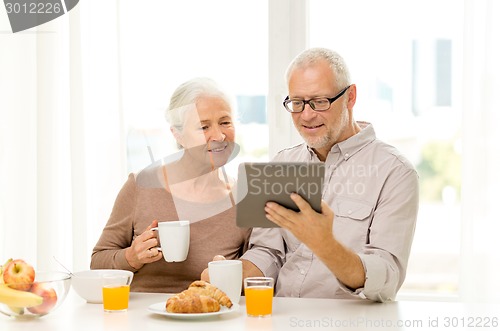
(259, 183)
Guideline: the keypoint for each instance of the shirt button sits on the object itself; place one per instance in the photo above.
(302, 272)
(349, 212)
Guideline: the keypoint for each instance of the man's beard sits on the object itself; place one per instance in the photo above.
(317, 142)
(314, 142)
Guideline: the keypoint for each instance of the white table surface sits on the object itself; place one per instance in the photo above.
(288, 314)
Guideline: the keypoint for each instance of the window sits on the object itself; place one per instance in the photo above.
(224, 40)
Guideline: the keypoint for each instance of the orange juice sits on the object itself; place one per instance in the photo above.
(259, 300)
(115, 297)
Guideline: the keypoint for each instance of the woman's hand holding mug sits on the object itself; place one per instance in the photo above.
(144, 248)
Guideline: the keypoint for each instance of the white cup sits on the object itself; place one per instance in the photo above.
(174, 240)
(227, 276)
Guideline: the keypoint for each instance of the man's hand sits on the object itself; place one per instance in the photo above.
(310, 227)
(315, 230)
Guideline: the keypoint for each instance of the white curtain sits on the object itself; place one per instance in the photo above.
(480, 263)
(62, 146)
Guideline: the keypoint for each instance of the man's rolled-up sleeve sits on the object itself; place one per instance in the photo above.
(381, 280)
(386, 253)
(266, 251)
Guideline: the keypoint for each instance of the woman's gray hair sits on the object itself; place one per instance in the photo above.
(312, 55)
(186, 96)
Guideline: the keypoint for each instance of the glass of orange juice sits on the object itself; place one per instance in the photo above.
(115, 293)
(259, 292)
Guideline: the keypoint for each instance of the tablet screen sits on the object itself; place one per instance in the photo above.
(259, 183)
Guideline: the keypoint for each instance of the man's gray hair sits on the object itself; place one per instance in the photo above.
(312, 55)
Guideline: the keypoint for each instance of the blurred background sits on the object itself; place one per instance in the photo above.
(82, 98)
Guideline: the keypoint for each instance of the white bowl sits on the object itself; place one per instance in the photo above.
(88, 283)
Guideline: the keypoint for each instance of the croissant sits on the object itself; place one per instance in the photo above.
(203, 288)
(191, 303)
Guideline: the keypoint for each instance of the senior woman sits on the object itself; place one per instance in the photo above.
(190, 185)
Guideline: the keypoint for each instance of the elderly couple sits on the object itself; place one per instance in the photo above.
(357, 247)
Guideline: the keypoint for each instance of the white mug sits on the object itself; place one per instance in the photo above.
(174, 240)
(227, 276)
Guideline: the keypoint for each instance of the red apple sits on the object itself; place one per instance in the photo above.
(49, 298)
(19, 275)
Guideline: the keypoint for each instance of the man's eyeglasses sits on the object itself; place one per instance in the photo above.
(317, 104)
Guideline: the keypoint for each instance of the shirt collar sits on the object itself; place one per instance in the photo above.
(312, 154)
(354, 144)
